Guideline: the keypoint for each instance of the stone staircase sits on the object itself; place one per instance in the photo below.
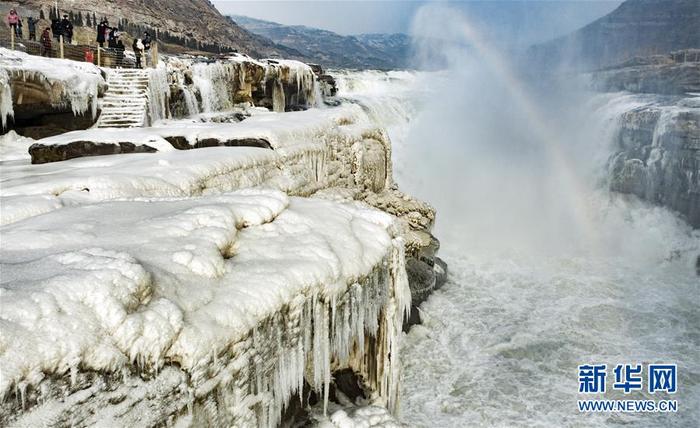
(125, 104)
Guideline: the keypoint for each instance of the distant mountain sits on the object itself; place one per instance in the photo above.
(378, 51)
(186, 24)
(635, 28)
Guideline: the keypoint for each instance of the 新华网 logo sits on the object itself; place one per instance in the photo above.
(627, 378)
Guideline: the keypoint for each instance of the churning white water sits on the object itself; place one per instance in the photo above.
(548, 269)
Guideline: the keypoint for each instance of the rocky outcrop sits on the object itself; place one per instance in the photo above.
(54, 153)
(675, 73)
(45, 152)
(47, 97)
(181, 143)
(658, 156)
(197, 85)
(636, 27)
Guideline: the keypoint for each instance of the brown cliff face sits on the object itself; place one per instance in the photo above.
(635, 28)
(186, 19)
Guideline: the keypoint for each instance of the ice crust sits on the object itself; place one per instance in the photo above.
(243, 290)
(180, 277)
(313, 150)
(71, 83)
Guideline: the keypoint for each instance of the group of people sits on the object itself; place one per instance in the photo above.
(15, 23)
(62, 28)
(141, 47)
(105, 34)
(59, 28)
(111, 36)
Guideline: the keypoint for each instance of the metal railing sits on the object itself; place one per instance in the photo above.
(102, 57)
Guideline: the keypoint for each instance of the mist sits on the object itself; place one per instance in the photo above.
(512, 156)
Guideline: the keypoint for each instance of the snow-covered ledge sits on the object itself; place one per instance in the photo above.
(216, 309)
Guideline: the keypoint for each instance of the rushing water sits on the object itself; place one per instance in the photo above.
(548, 270)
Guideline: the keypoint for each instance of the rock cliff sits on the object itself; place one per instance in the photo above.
(636, 27)
(658, 155)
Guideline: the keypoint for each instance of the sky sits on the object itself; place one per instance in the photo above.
(535, 20)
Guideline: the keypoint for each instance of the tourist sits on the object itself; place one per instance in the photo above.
(46, 42)
(102, 33)
(120, 53)
(146, 41)
(107, 29)
(67, 29)
(113, 37)
(56, 29)
(31, 26)
(15, 23)
(138, 51)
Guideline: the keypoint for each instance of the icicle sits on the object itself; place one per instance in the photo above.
(158, 90)
(278, 98)
(6, 108)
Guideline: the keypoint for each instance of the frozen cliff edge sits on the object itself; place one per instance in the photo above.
(656, 153)
(328, 166)
(219, 308)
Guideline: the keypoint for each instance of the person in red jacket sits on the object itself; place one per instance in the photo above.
(46, 42)
(15, 23)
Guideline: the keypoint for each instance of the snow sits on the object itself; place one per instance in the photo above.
(14, 147)
(180, 283)
(123, 272)
(72, 82)
(362, 417)
(290, 129)
(189, 257)
(299, 162)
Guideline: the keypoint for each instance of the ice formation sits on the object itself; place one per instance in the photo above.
(147, 226)
(67, 83)
(204, 296)
(6, 109)
(286, 290)
(159, 90)
(218, 86)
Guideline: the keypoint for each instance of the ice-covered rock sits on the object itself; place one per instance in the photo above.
(209, 86)
(657, 154)
(48, 88)
(219, 308)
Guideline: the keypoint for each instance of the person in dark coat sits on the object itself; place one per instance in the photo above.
(113, 37)
(56, 28)
(46, 42)
(120, 53)
(101, 27)
(146, 41)
(31, 26)
(67, 29)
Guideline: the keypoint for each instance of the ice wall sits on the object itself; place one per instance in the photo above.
(655, 141)
(214, 86)
(52, 85)
(281, 300)
(6, 110)
(159, 91)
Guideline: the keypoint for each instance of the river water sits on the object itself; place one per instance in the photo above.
(548, 269)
